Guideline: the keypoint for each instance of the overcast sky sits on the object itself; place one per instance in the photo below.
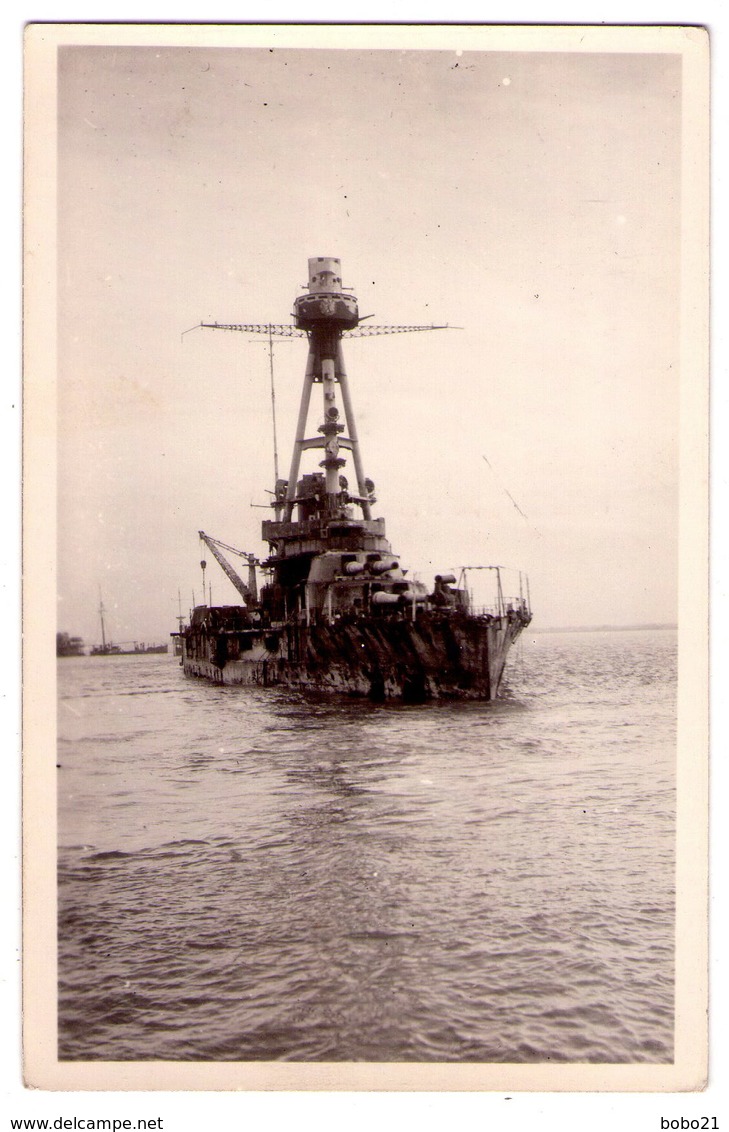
(530, 199)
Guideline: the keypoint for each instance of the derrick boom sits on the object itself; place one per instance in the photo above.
(247, 592)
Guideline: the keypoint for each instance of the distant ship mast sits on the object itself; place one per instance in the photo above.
(102, 611)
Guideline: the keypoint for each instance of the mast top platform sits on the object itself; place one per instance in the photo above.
(326, 308)
(325, 274)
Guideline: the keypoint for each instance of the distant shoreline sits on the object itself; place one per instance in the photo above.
(599, 628)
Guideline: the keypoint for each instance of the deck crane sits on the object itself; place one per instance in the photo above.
(249, 591)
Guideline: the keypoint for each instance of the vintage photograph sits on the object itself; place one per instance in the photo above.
(373, 447)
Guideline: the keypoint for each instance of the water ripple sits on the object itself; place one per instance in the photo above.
(256, 874)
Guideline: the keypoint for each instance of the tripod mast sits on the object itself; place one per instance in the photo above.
(325, 315)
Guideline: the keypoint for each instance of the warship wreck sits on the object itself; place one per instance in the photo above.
(338, 612)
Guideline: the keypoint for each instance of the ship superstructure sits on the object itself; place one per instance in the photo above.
(337, 611)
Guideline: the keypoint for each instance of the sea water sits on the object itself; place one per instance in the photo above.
(258, 874)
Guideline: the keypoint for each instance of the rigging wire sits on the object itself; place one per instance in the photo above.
(510, 496)
(273, 403)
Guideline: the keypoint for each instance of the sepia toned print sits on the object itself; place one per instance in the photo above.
(341, 829)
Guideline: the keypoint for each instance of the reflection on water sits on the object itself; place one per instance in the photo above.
(256, 874)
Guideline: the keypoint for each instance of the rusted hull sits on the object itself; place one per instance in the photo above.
(382, 659)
